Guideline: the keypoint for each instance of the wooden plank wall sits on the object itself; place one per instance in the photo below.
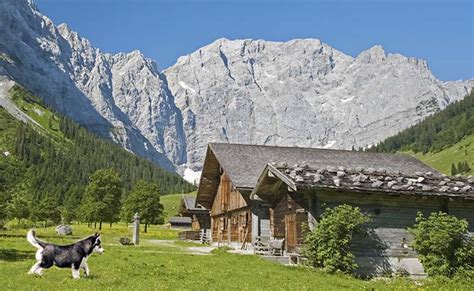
(232, 227)
(189, 235)
(288, 219)
(391, 216)
(231, 216)
(464, 210)
(227, 197)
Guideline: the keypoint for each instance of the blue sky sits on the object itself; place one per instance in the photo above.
(442, 32)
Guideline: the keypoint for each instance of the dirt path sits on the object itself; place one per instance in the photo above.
(195, 250)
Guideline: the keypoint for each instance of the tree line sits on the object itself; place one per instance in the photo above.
(104, 201)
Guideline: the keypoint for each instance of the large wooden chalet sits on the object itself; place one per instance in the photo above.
(266, 191)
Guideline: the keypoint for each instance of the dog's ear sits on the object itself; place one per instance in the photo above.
(97, 234)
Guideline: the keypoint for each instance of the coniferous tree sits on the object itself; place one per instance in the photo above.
(19, 206)
(463, 167)
(45, 209)
(69, 208)
(4, 198)
(454, 170)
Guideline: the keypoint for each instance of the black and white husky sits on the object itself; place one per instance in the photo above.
(69, 256)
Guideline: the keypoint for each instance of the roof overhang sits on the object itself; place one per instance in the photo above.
(271, 181)
(209, 181)
(271, 184)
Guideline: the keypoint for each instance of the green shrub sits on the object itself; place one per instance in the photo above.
(443, 244)
(328, 245)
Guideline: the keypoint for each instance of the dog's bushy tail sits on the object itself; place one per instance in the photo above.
(31, 238)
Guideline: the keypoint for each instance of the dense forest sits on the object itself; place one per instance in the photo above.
(443, 139)
(51, 165)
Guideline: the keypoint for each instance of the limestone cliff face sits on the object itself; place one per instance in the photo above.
(121, 96)
(298, 93)
(301, 93)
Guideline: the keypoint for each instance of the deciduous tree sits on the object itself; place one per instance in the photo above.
(102, 197)
(144, 199)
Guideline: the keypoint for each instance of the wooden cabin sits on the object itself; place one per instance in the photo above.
(199, 214)
(230, 173)
(298, 195)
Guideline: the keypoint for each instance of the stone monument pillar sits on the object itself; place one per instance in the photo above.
(136, 229)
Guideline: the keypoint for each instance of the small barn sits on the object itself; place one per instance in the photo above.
(199, 214)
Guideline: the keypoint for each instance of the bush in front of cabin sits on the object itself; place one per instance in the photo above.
(443, 244)
(328, 245)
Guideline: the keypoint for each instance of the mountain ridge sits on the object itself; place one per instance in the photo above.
(301, 92)
(235, 70)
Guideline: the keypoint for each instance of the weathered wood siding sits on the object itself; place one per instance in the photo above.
(288, 219)
(227, 198)
(230, 214)
(391, 216)
(232, 227)
(463, 209)
(387, 247)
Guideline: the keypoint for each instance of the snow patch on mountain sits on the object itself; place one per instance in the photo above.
(191, 176)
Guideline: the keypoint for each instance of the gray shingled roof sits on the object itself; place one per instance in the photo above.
(366, 180)
(190, 203)
(244, 163)
(180, 220)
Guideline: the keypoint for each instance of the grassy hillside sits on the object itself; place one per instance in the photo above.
(171, 204)
(441, 140)
(51, 164)
(442, 160)
(159, 263)
(34, 107)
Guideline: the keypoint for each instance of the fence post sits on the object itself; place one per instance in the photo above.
(136, 229)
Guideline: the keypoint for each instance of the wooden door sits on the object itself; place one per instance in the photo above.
(290, 232)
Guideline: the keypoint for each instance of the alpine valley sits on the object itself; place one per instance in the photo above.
(297, 93)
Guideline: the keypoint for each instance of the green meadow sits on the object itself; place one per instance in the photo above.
(442, 160)
(171, 204)
(160, 262)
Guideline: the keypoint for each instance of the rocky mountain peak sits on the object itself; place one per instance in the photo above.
(300, 92)
(373, 54)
